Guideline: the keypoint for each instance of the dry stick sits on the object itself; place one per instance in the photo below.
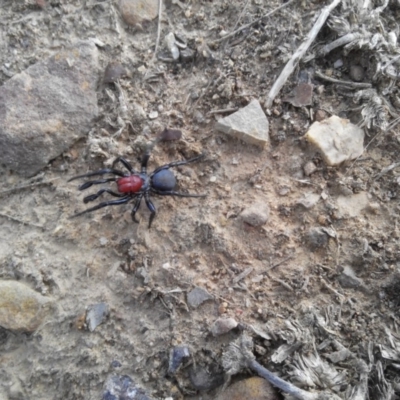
(252, 23)
(292, 63)
(158, 28)
(356, 85)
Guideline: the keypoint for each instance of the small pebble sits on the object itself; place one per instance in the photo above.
(223, 325)
(316, 238)
(309, 168)
(198, 296)
(252, 389)
(170, 134)
(213, 179)
(136, 12)
(338, 63)
(21, 308)
(113, 72)
(177, 356)
(95, 315)
(320, 115)
(256, 215)
(153, 115)
(356, 73)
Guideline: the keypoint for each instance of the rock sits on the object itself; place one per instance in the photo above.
(320, 115)
(301, 95)
(114, 71)
(309, 168)
(223, 325)
(336, 139)
(205, 379)
(122, 387)
(95, 315)
(135, 12)
(252, 388)
(316, 238)
(198, 296)
(21, 308)
(352, 206)
(177, 356)
(47, 107)
(248, 124)
(309, 200)
(170, 134)
(348, 278)
(356, 73)
(255, 215)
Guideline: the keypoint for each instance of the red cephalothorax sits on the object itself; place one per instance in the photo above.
(130, 184)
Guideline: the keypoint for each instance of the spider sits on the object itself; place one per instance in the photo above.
(135, 185)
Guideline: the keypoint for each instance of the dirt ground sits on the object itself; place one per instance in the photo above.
(144, 275)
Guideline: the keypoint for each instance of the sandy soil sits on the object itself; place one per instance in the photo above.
(143, 275)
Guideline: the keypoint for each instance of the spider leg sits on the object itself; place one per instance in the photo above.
(125, 163)
(145, 160)
(176, 164)
(173, 193)
(100, 172)
(136, 207)
(99, 193)
(105, 204)
(151, 207)
(88, 184)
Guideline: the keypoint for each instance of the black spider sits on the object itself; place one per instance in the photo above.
(135, 185)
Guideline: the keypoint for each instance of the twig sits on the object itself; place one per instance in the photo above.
(386, 170)
(278, 264)
(252, 23)
(356, 85)
(330, 288)
(20, 221)
(348, 38)
(292, 63)
(241, 14)
(158, 28)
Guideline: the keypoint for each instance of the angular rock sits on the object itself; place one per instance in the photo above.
(177, 356)
(96, 314)
(337, 139)
(252, 388)
(223, 325)
(47, 107)
(255, 215)
(21, 308)
(198, 296)
(248, 124)
(135, 12)
(348, 278)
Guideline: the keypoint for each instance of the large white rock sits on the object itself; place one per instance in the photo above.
(248, 124)
(337, 139)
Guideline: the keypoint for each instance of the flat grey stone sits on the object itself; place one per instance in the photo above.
(47, 107)
(21, 308)
(337, 139)
(248, 124)
(198, 296)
